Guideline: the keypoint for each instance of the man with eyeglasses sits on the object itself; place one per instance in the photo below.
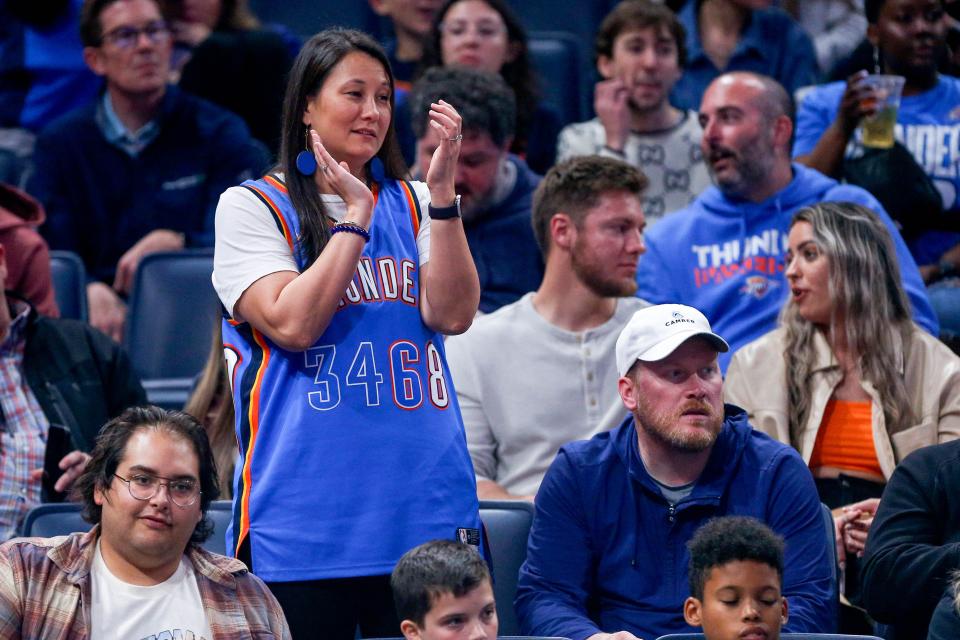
(141, 169)
(140, 572)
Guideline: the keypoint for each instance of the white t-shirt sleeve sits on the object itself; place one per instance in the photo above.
(423, 236)
(248, 245)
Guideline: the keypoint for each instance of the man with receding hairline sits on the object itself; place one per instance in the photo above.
(724, 253)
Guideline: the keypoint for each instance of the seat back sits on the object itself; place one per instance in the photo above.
(69, 284)
(173, 311)
(54, 519)
(507, 523)
(828, 524)
(60, 519)
(306, 18)
(556, 57)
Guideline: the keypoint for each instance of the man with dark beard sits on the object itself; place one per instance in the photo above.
(554, 345)
(494, 186)
(724, 253)
(607, 554)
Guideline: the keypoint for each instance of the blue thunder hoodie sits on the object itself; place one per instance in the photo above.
(725, 257)
(608, 552)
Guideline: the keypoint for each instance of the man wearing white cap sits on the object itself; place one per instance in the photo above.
(607, 556)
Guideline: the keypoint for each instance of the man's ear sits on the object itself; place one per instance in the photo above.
(99, 495)
(625, 386)
(91, 56)
(563, 232)
(782, 130)
(692, 612)
(605, 66)
(410, 630)
(784, 613)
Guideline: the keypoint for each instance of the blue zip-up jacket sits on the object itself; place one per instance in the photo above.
(724, 257)
(608, 553)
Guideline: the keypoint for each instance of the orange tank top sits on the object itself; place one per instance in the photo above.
(845, 438)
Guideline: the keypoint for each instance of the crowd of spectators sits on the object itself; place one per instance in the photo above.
(561, 307)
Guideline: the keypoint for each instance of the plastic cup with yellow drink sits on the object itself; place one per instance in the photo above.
(877, 130)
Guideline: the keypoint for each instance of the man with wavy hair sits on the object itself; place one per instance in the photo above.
(139, 572)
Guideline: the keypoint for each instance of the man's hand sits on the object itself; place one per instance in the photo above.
(155, 241)
(72, 464)
(610, 101)
(107, 310)
(858, 527)
(619, 635)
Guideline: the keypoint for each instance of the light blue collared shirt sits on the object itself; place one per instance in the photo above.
(131, 143)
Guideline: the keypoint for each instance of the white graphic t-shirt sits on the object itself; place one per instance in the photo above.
(171, 610)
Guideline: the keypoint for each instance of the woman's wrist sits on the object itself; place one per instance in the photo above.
(442, 198)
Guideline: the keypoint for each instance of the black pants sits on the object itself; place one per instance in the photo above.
(334, 608)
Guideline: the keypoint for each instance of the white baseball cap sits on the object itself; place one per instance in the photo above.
(653, 333)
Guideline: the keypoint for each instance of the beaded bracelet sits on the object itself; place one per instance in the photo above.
(351, 227)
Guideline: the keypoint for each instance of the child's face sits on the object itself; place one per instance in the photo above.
(472, 616)
(741, 601)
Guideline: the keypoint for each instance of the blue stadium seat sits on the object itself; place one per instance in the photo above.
(69, 284)
(59, 519)
(834, 568)
(173, 311)
(556, 57)
(507, 523)
(306, 18)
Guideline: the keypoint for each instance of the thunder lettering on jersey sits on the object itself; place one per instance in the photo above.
(352, 451)
(928, 125)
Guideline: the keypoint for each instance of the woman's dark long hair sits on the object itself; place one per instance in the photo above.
(310, 70)
(518, 73)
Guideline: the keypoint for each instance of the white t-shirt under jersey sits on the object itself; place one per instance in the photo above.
(171, 610)
(249, 246)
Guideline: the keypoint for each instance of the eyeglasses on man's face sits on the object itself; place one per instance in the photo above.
(144, 486)
(157, 32)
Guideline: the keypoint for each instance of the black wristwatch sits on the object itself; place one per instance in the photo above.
(445, 213)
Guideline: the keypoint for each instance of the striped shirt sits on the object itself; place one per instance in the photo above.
(45, 591)
(23, 430)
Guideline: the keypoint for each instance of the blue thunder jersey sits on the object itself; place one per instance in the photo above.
(352, 451)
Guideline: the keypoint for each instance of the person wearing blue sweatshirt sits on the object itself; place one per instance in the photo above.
(496, 186)
(607, 551)
(723, 254)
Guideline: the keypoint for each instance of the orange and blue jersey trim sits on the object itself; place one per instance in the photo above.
(274, 210)
(413, 204)
(250, 427)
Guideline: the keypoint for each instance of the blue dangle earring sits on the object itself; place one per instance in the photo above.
(377, 173)
(306, 162)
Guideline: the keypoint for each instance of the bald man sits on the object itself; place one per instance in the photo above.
(723, 254)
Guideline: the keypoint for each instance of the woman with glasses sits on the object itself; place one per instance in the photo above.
(487, 36)
(340, 279)
(847, 379)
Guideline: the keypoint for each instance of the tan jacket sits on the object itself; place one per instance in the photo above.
(756, 381)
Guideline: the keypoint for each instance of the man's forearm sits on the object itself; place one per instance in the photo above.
(490, 490)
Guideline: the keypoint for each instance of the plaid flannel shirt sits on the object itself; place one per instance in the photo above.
(45, 591)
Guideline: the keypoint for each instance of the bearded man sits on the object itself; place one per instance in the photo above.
(607, 554)
(723, 254)
(554, 344)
